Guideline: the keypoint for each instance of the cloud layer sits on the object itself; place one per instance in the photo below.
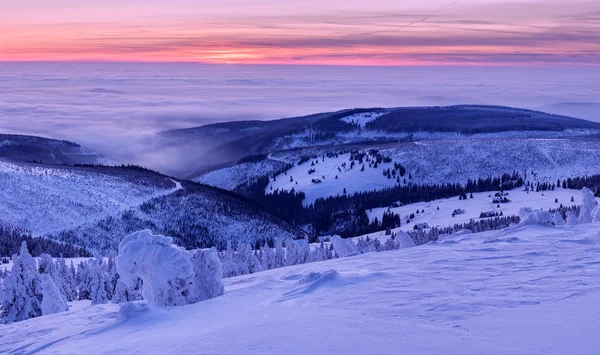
(116, 108)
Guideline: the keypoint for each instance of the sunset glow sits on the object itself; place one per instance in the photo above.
(309, 32)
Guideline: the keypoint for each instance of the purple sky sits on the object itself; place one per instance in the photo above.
(374, 32)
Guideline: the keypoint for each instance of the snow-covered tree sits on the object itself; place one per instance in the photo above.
(112, 277)
(53, 300)
(404, 240)
(279, 260)
(68, 280)
(123, 293)
(166, 271)
(97, 282)
(589, 203)
(558, 219)
(344, 247)
(267, 259)
(84, 277)
(572, 218)
(208, 274)
(47, 266)
(22, 296)
(230, 267)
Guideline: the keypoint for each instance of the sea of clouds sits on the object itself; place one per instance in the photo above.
(116, 108)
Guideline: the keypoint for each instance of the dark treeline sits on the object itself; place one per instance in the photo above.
(591, 182)
(433, 234)
(12, 237)
(346, 214)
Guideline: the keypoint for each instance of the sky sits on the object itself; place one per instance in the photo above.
(349, 32)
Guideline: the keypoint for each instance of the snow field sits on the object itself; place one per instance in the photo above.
(351, 179)
(527, 290)
(481, 202)
(363, 118)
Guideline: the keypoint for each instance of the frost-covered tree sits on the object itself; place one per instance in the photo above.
(558, 219)
(267, 259)
(112, 277)
(279, 260)
(53, 300)
(230, 267)
(68, 279)
(84, 277)
(589, 203)
(47, 266)
(344, 247)
(208, 274)
(123, 293)
(22, 296)
(572, 218)
(97, 282)
(166, 271)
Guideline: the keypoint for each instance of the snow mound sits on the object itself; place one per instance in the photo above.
(132, 309)
(310, 283)
(166, 271)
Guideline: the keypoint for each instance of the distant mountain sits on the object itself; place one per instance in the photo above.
(48, 151)
(215, 144)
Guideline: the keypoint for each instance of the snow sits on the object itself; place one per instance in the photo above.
(351, 179)
(456, 161)
(231, 177)
(363, 118)
(528, 290)
(481, 202)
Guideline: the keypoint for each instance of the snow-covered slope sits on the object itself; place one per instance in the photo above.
(439, 212)
(44, 198)
(532, 290)
(94, 207)
(439, 162)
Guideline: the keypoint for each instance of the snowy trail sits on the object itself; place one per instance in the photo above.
(531, 290)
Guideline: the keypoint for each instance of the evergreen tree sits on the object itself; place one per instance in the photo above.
(22, 296)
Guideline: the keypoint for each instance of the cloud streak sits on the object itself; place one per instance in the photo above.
(349, 32)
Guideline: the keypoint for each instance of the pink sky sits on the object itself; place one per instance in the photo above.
(351, 32)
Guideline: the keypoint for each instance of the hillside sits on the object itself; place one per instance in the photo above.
(92, 206)
(425, 162)
(227, 142)
(525, 290)
(48, 151)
